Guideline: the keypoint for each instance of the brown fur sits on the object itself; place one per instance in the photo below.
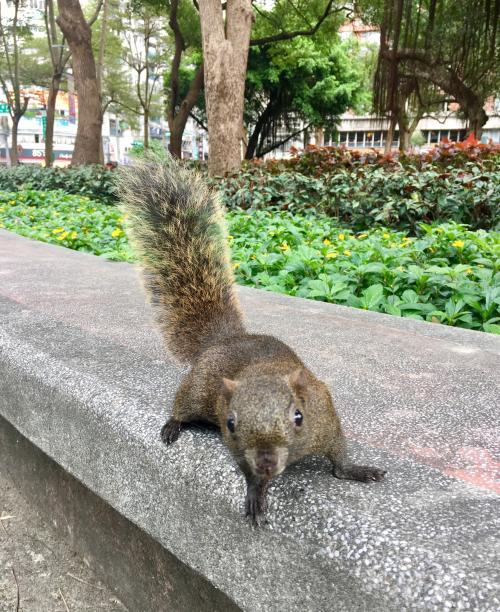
(252, 382)
(176, 226)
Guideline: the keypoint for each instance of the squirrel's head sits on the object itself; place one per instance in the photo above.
(264, 420)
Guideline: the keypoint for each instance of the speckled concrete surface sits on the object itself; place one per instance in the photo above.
(46, 571)
(83, 375)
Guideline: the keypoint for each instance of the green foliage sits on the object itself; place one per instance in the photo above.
(448, 274)
(297, 80)
(418, 139)
(364, 189)
(94, 182)
(76, 222)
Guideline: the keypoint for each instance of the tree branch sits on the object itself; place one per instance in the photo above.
(199, 122)
(266, 40)
(96, 14)
(263, 152)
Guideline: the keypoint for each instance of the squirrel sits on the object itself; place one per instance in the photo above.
(271, 410)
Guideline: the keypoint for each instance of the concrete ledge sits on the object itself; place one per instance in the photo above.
(143, 574)
(84, 378)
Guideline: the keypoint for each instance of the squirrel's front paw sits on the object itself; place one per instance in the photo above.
(255, 507)
(170, 431)
(361, 473)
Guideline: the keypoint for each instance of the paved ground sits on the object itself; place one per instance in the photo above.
(86, 379)
(48, 576)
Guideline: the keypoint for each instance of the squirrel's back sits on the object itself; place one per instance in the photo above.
(177, 229)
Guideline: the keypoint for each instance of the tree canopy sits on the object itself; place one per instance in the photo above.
(296, 84)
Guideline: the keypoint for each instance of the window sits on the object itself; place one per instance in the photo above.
(434, 136)
(351, 140)
(360, 139)
(342, 138)
(377, 139)
(369, 139)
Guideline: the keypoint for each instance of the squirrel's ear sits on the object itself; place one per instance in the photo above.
(228, 388)
(298, 381)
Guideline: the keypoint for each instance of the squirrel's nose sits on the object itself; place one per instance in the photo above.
(266, 462)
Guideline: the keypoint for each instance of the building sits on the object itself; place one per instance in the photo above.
(119, 140)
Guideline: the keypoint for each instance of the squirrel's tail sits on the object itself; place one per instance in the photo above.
(177, 230)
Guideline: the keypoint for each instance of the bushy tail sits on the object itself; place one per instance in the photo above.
(177, 230)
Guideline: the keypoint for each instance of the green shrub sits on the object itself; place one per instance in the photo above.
(446, 274)
(318, 161)
(94, 182)
(369, 195)
(76, 222)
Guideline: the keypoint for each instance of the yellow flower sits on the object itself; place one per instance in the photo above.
(341, 236)
(12, 202)
(236, 265)
(253, 256)
(2, 225)
(386, 235)
(347, 253)
(73, 235)
(58, 230)
(284, 246)
(331, 255)
(63, 236)
(406, 239)
(439, 230)
(468, 271)
(117, 232)
(361, 236)
(458, 243)
(230, 237)
(326, 241)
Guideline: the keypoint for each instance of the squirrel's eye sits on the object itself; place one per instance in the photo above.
(231, 424)
(298, 417)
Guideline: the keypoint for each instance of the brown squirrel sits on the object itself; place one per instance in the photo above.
(270, 408)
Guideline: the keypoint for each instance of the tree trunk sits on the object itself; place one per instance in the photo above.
(390, 134)
(177, 120)
(146, 128)
(406, 129)
(14, 157)
(79, 36)
(225, 52)
(319, 136)
(49, 127)
(100, 67)
(257, 130)
(175, 145)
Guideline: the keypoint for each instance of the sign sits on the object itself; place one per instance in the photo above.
(44, 125)
(4, 108)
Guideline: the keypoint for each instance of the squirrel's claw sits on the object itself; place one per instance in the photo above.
(170, 431)
(361, 473)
